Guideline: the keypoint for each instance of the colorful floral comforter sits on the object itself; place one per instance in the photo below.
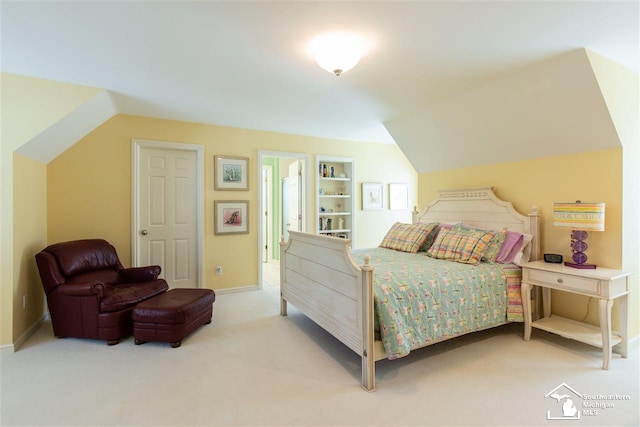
(419, 299)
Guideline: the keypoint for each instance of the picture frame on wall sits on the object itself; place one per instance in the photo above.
(372, 196)
(230, 217)
(398, 196)
(231, 173)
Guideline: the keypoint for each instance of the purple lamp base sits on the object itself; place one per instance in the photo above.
(579, 247)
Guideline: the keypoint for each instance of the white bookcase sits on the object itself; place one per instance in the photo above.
(335, 192)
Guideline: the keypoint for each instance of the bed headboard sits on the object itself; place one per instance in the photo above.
(481, 208)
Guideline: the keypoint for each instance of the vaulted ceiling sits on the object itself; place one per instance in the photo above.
(439, 77)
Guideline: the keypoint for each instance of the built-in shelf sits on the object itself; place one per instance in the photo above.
(334, 179)
(334, 196)
(338, 231)
(334, 213)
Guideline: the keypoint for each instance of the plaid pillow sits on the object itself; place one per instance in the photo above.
(431, 237)
(493, 249)
(461, 245)
(407, 237)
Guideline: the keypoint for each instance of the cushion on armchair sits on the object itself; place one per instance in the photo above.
(139, 274)
(81, 256)
(119, 297)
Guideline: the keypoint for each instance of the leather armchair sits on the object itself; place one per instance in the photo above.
(89, 293)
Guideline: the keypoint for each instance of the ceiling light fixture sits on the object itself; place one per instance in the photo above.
(337, 52)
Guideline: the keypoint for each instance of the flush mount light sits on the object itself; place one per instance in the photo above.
(337, 52)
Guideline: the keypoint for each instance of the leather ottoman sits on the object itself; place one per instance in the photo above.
(171, 316)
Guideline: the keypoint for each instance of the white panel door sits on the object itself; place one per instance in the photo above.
(167, 215)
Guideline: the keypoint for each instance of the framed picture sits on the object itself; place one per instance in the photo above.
(398, 196)
(372, 196)
(230, 217)
(231, 173)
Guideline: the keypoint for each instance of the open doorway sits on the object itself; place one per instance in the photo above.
(284, 203)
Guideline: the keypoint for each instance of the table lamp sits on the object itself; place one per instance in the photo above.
(580, 218)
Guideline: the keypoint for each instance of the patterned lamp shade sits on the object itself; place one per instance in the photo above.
(579, 216)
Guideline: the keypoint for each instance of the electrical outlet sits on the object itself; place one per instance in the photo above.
(219, 270)
(24, 302)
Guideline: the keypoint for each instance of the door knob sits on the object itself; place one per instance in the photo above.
(144, 232)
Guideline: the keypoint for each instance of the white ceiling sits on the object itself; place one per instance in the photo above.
(245, 64)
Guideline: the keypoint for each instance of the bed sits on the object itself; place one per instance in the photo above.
(341, 290)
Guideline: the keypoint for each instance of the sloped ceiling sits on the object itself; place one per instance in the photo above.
(246, 64)
(551, 109)
(61, 135)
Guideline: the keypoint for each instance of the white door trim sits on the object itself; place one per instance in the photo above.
(306, 208)
(268, 222)
(136, 146)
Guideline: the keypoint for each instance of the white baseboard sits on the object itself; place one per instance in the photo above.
(32, 330)
(238, 289)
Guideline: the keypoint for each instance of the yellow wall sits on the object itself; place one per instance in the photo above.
(94, 178)
(29, 237)
(28, 106)
(621, 92)
(591, 176)
(89, 187)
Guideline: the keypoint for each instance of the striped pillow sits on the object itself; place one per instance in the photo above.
(407, 237)
(461, 245)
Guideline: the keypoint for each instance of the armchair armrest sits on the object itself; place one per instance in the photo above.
(140, 274)
(82, 289)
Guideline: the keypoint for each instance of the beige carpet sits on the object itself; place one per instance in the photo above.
(254, 367)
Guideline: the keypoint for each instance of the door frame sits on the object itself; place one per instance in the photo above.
(266, 188)
(136, 146)
(306, 205)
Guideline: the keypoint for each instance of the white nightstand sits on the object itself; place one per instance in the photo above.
(602, 283)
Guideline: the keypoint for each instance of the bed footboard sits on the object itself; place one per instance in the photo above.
(319, 277)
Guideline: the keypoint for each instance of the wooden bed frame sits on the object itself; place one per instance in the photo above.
(319, 277)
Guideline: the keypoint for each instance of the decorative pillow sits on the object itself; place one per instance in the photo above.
(461, 244)
(513, 243)
(431, 237)
(407, 237)
(494, 245)
(524, 254)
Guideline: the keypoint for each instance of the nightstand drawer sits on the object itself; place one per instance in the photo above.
(558, 280)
